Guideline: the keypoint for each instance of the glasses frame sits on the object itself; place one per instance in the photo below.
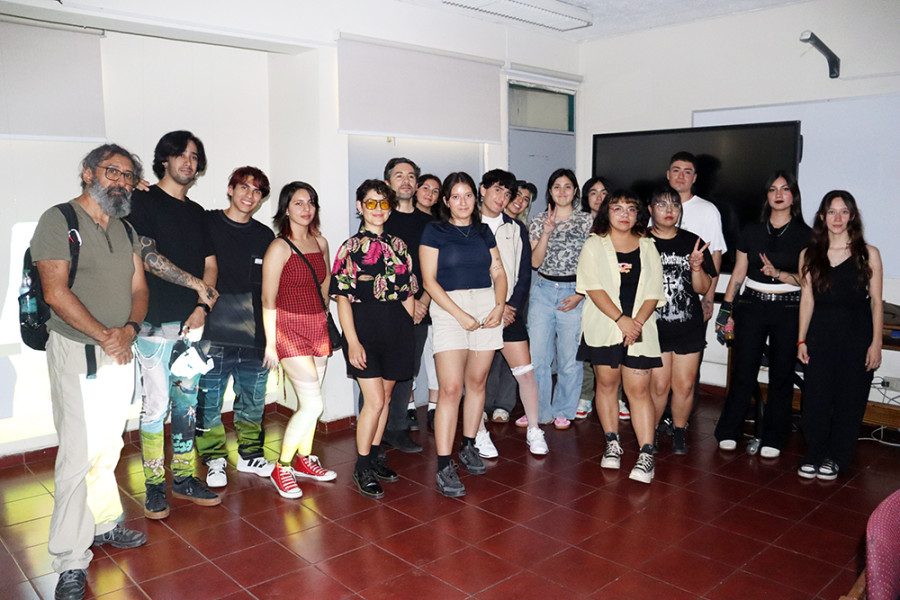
(114, 174)
(373, 204)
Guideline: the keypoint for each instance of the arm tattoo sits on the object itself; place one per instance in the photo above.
(794, 277)
(162, 267)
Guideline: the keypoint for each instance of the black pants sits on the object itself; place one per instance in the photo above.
(500, 388)
(755, 321)
(403, 389)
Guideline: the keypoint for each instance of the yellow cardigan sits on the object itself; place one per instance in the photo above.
(598, 269)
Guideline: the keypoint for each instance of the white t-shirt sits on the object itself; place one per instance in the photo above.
(702, 218)
(493, 223)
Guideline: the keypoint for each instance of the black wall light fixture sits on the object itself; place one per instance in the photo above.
(834, 63)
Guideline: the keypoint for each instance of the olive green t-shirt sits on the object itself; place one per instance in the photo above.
(105, 267)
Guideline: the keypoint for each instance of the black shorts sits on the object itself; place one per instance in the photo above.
(614, 356)
(693, 341)
(517, 332)
(385, 331)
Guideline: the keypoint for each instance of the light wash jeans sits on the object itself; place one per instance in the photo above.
(556, 333)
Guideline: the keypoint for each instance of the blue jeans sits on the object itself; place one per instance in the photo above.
(556, 333)
(250, 377)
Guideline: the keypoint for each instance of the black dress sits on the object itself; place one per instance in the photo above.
(837, 383)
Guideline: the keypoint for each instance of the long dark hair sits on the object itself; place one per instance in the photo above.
(586, 191)
(568, 174)
(816, 263)
(601, 224)
(796, 210)
(281, 221)
(450, 181)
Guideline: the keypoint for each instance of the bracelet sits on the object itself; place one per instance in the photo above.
(800, 343)
(204, 307)
(697, 270)
(778, 275)
(135, 326)
(638, 322)
(616, 320)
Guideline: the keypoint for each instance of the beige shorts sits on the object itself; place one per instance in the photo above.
(449, 334)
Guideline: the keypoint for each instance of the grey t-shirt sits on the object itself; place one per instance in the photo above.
(105, 267)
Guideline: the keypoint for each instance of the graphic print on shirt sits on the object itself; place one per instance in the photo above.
(678, 298)
(624, 267)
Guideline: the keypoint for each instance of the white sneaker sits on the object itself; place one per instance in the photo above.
(612, 456)
(215, 474)
(584, 409)
(644, 468)
(484, 445)
(500, 415)
(624, 413)
(727, 445)
(769, 452)
(258, 465)
(536, 442)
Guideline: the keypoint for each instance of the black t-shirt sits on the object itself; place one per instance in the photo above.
(409, 227)
(781, 246)
(179, 229)
(682, 311)
(629, 276)
(236, 319)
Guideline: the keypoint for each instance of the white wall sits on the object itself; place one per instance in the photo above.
(657, 79)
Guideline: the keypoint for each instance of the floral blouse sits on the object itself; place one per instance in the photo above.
(564, 246)
(373, 268)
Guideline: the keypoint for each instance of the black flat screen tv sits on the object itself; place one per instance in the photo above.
(733, 163)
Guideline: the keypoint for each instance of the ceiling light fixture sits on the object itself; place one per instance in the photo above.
(551, 14)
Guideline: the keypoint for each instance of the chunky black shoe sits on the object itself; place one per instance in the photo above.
(430, 415)
(120, 537)
(191, 488)
(367, 484)
(71, 585)
(679, 443)
(412, 419)
(400, 440)
(468, 457)
(448, 482)
(155, 505)
(381, 470)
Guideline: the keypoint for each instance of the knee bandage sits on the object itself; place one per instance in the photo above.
(516, 371)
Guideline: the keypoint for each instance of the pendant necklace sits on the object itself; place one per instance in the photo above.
(772, 231)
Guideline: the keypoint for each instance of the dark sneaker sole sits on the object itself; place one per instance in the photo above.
(452, 493)
(156, 515)
(198, 501)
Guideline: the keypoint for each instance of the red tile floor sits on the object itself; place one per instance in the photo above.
(712, 525)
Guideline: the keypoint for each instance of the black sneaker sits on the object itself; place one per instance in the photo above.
(381, 470)
(367, 484)
(71, 585)
(413, 419)
(468, 457)
(119, 537)
(155, 505)
(679, 443)
(430, 419)
(191, 488)
(448, 482)
(400, 440)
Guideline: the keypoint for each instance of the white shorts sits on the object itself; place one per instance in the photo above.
(449, 334)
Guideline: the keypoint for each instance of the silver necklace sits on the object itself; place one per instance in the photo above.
(460, 231)
(772, 231)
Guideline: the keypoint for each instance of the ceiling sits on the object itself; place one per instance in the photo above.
(616, 17)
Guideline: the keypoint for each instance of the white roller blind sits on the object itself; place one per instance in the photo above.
(462, 103)
(50, 84)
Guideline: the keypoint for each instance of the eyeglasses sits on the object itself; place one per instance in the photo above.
(621, 210)
(373, 204)
(664, 204)
(113, 174)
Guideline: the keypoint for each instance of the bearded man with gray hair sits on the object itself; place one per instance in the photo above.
(92, 327)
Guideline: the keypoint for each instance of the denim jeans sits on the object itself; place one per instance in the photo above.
(556, 333)
(250, 378)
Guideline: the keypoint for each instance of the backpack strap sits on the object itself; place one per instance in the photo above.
(68, 212)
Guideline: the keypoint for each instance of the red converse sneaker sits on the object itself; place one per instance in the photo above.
(283, 478)
(309, 466)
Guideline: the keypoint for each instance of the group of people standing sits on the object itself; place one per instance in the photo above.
(441, 275)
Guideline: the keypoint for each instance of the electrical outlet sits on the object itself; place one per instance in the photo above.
(892, 383)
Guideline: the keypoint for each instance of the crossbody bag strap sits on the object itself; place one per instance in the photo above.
(311, 268)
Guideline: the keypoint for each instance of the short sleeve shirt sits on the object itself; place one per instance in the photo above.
(682, 311)
(105, 267)
(701, 217)
(564, 246)
(373, 268)
(464, 254)
(781, 246)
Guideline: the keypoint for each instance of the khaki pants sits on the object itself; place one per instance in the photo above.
(89, 415)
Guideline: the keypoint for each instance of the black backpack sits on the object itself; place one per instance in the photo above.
(33, 324)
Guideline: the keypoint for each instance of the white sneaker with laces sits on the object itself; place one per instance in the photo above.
(728, 445)
(258, 465)
(536, 442)
(769, 452)
(624, 413)
(612, 456)
(215, 474)
(584, 409)
(484, 445)
(644, 468)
